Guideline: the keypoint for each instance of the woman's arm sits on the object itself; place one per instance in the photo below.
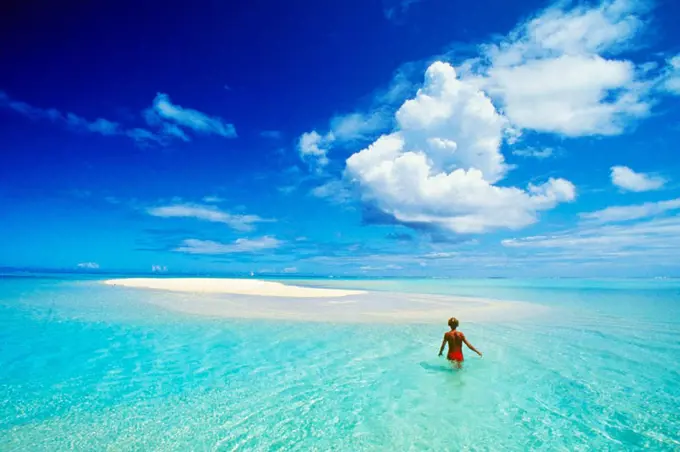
(471, 347)
(441, 350)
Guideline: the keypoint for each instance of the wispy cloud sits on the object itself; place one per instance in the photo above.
(335, 190)
(143, 136)
(166, 121)
(243, 245)
(362, 124)
(632, 212)
(396, 10)
(359, 125)
(627, 179)
(657, 237)
(287, 189)
(163, 109)
(88, 265)
(172, 130)
(207, 213)
(380, 268)
(670, 78)
(534, 153)
(399, 236)
(72, 121)
(441, 255)
(213, 199)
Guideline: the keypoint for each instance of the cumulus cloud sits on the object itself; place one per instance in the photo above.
(89, 265)
(362, 124)
(159, 269)
(172, 116)
(207, 213)
(632, 212)
(243, 245)
(627, 179)
(438, 167)
(555, 72)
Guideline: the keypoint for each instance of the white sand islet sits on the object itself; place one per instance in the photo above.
(230, 286)
(257, 299)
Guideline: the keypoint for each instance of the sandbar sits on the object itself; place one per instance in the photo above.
(230, 286)
(255, 299)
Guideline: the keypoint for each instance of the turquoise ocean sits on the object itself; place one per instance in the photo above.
(84, 367)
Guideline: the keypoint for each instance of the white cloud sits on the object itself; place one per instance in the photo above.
(439, 165)
(287, 189)
(355, 126)
(569, 95)
(348, 128)
(671, 76)
(166, 118)
(313, 147)
(89, 265)
(72, 121)
(159, 269)
(627, 179)
(334, 190)
(362, 124)
(173, 130)
(290, 270)
(143, 136)
(207, 213)
(550, 73)
(657, 237)
(384, 267)
(103, 126)
(441, 255)
(163, 109)
(213, 199)
(632, 212)
(534, 153)
(195, 246)
(582, 29)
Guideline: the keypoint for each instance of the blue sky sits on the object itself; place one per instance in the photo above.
(404, 137)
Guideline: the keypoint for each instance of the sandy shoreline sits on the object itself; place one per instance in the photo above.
(254, 299)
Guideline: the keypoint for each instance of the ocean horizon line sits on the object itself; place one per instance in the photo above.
(35, 271)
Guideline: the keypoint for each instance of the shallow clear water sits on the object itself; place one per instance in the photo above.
(82, 368)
